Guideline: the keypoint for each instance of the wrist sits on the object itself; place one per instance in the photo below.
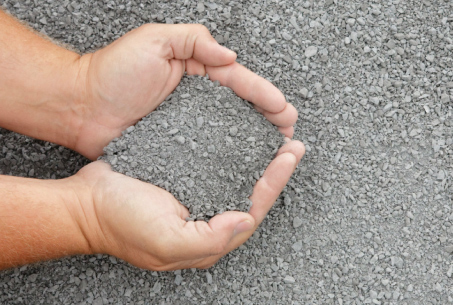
(72, 193)
(81, 205)
(37, 96)
(91, 131)
(42, 92)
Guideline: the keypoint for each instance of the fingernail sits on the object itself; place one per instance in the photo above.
(243, 227)
(287, 140)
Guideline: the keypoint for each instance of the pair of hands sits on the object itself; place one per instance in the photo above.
(139, 222)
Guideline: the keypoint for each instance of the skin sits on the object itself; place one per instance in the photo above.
(83, 102)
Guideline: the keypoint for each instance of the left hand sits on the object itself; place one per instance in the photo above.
(128, 79)
(145, 225)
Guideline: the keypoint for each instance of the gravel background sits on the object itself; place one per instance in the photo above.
(366, 219)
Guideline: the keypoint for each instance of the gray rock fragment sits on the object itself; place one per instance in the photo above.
(200, 7)
(297, 222)
(200, 121)
(304, 92)
(297, 246)
(180, 139)
(157, 287)
(449, 249)
(289, 280)
(33, 277)
(209, 278)
(311, 51)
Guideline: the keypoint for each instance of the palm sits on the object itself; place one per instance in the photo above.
(133, 215)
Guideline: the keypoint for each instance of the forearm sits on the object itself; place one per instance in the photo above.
(38, 221)
(38, 82)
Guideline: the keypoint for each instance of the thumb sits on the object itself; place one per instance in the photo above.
(201, 239)
(232, 223)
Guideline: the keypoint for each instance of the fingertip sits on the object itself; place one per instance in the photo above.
(293, 147)
(230, 55)
(293, 114)
(287, 117)
(288, 132)
(230, 220)
(288, 159)
(301, 150)
(279, 171)
(243, 227)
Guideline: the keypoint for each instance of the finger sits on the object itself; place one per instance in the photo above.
(271, 184)
(199, 239)
(285, 118)
(294, 147)
(184, 41)
(249, 86)
(194, 67)
(266, 191)
(178, 68)
(287, 131)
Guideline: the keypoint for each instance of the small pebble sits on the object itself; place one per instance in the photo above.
(311, 51)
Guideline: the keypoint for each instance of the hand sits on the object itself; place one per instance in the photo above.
(129, 78)
(145, 225)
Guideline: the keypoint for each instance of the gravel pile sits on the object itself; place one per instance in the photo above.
(204, 144)
(368, 216)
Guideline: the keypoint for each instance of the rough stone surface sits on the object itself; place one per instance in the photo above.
(371, 200)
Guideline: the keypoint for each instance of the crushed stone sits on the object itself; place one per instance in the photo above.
(380, 178)
(208, 150)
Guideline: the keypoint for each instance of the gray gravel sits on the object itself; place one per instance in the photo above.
(366, 219)
(204, 144)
